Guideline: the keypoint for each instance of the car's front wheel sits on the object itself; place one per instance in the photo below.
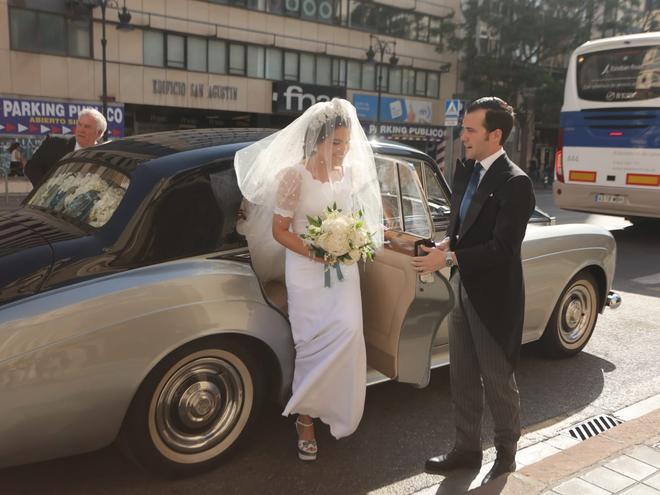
(573, 319)
(193, 407)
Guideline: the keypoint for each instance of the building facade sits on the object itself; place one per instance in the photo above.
(224, 63)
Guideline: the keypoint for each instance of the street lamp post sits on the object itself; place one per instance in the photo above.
(124, 25)
(382, 47)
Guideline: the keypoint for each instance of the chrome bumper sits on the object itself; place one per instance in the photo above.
(613, 300)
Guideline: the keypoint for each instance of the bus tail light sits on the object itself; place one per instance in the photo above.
(559, 163)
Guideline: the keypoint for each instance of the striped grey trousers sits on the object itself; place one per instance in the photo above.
(477, 365)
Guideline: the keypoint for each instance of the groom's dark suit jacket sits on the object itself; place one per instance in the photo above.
(47, 155)
(487, 245)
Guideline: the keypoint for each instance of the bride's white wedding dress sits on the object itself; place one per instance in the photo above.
(329, 380)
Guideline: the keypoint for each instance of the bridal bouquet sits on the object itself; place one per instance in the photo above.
(338, 238)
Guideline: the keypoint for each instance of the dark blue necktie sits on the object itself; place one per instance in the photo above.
(469, 192)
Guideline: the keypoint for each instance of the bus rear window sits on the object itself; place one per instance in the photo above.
(626, 74)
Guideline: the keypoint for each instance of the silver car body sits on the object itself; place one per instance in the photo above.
(72, 359)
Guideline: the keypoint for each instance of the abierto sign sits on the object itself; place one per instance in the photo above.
(294, 98)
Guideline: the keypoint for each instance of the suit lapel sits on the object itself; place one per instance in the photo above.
(491, 180)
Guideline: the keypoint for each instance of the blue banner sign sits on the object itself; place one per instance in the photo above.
(393, 109)
(27, 117)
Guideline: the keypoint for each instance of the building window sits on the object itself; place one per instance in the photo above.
(274, 64)
(420, 83)
(433, 85)
(197, 52)
(339, 72)
(44, 32)
(383, 79)
(176, 51)
(394, 83)
(369, 76)
(353, 74)
(154, 48)
(290, 66)
(307, 63)
(217, 57)
(256, 61)
(236, 59)
(408, 82)
(323, 70)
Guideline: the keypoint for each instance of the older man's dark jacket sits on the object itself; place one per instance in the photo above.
(488, 243)
(47, 155)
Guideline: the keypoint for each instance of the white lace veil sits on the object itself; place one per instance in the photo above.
(268, 174)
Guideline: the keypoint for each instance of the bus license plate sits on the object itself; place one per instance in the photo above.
(610, 198)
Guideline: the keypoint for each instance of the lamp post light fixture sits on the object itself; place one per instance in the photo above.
(124, 25)
(381, 48)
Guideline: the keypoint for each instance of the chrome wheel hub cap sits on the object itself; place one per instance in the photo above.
(199, 405)
(577, 308)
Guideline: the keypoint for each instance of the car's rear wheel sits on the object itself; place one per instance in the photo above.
(194, 407)
(573, 319)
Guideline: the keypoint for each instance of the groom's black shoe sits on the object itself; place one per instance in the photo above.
(505, 463)
(456, 459)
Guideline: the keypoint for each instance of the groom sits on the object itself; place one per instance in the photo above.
(492, 201)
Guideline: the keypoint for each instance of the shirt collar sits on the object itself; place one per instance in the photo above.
(77, 147)
(489, 160)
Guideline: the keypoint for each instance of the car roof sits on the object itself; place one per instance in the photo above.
(159, 148)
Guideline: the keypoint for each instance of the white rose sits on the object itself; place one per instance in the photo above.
(358, 238)
(337, 244)
(337, 225)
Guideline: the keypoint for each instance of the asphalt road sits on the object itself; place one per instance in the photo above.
(402, 426)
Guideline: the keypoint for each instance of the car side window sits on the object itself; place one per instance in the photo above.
(389, 193)
(415, 210)
(438, 201)
(404, 202)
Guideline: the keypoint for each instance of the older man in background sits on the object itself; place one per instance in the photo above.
(90, 129)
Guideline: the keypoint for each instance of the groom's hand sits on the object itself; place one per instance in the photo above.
(433, 261)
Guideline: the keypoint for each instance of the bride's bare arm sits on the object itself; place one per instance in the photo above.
(288, 239)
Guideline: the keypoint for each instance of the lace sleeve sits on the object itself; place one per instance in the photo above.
(288, 192)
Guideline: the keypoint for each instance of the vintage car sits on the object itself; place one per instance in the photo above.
(129, 309)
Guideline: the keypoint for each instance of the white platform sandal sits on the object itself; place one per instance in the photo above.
(307, 449)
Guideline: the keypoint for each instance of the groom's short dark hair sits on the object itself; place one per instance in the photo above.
(499, 114)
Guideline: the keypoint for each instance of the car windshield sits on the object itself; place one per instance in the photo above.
(82, 192)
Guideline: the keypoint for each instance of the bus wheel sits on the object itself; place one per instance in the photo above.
(573, 319)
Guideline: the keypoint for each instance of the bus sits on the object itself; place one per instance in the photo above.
(608, 154)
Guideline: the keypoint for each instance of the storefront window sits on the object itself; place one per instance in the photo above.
(290, 66)
(394, 83)
(306, 68)
(197, 54)
(154, 49)
(236, 59)
(433, 85)
(274, 64)
(256, 4)
(292, 7)
(354, 74)
(217, 57)
(323, 70)
(176, 51)
(255, 61)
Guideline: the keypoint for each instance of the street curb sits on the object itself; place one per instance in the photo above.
(552, 470)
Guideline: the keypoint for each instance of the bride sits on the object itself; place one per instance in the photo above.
(322, 158)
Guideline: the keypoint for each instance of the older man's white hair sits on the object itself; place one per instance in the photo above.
(101, 124)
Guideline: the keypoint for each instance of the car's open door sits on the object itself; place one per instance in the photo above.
(402, 310)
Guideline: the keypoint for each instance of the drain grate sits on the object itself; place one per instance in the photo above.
(594, 426)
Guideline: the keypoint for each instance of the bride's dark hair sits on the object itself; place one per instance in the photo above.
(318, 132)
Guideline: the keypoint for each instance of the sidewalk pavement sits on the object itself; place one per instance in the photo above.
(622, 460)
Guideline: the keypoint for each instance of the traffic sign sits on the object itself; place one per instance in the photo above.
(453, 108)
